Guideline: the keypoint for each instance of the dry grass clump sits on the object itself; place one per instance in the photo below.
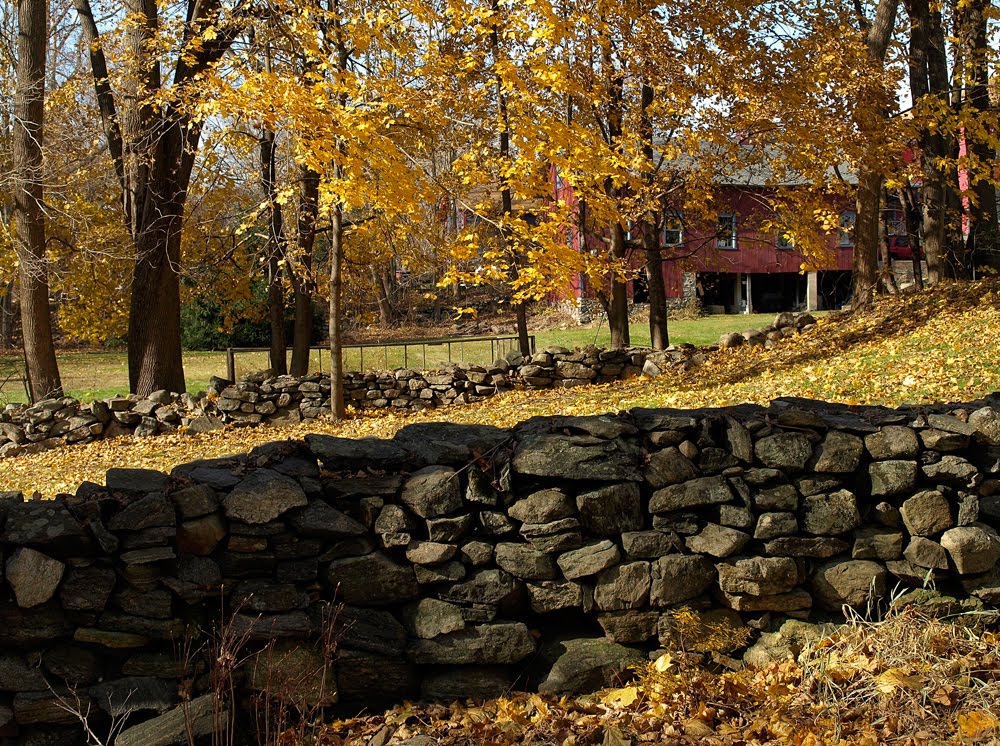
(910, 674)
(908, 678)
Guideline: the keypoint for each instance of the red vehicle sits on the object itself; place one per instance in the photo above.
(899, 248)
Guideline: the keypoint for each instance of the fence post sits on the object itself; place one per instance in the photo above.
(230, 364)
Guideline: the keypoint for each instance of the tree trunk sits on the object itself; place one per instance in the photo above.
(154, 329)
(929, 77)
(659, 336)
(888, 277)
(506, 200)
(871, 115)
(973, 41)
(523, 341)
(386, 312)
(615, 91)
(28, 216)
(618, 303)
(865, 278)
(277, 355)
(338, 406)
(306, 238)
(153, 148)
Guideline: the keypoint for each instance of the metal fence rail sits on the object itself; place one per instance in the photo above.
(449, 345)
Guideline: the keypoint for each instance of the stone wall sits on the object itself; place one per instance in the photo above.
(471, 559)
(283, 400)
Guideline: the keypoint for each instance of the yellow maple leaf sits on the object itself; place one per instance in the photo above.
(977, 723)
(897, 678)
(620, 697)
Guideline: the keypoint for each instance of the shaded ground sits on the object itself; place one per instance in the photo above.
(89, 375)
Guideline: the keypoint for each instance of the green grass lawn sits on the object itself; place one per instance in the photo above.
(97, 375)
(700, 331)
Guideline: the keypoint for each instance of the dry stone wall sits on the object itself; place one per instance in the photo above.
(283, 400)
(470, 559)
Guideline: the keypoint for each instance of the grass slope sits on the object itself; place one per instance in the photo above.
(941, 345)
(98, 375)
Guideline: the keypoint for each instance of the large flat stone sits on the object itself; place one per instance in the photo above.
(694, 493)
(506, 642)
(264, 496)
(578, 457)
(678, 578)
(372, 580)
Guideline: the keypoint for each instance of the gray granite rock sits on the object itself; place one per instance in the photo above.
(629, 627)
(717, 541)
(646, 544)
(321, 520)
(783, 497)
(552, 538)
(464, 682)
(926, 513)
(986, 422)
(839, 453)
(499, 643)
(524, 561)
(854, 583)
(196, 718)
(432, 491)
(773, 525)
(33, 576)
(876, 543)
(789, 452)
(263, 496)
(819, 547)
(372, 580)
(953, 470)
(623, 587)
(136, 480)
(578, 457)
(679, 578)
(669, 466)
(589, 559)
(758, 576)
(694, 493)
(586, 665)
(972, 549)
(892, 477)
(146, 512)
(829, 515)
(609, 511)
(429, 552)
(925, 553)
(491, 586)
(352, 453)
(430, 617)
(548, 596)
(543, 506)
(893, 442)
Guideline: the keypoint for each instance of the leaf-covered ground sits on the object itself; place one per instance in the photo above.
(908, 679)
(942, 345)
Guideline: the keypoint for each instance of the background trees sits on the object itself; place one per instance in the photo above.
(28, 216)
(263, 159)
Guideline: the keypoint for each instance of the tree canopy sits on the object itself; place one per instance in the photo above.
(264, 155)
